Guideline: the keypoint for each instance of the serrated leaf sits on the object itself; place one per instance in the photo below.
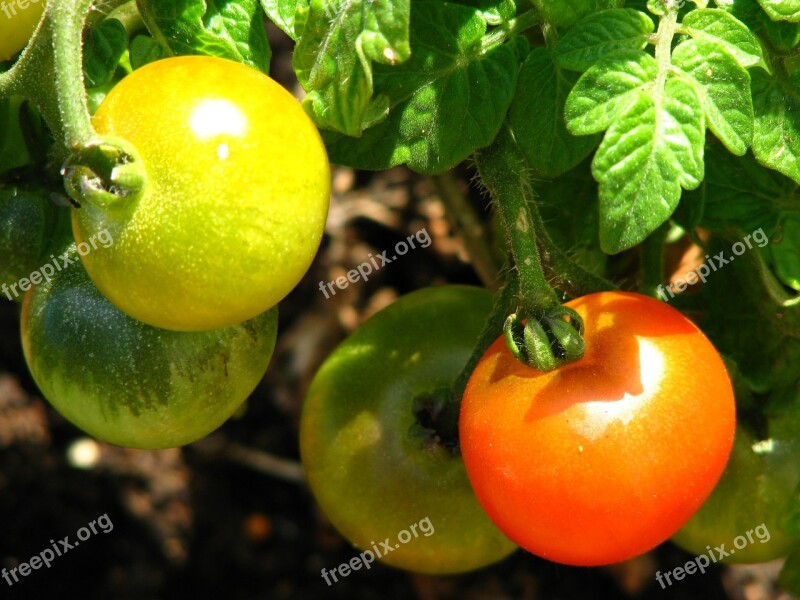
(232, 30)
(781, 10)
(601, 34)
(449, 99)
(605, 90)
(648, 154)
(334, 60)
(565, 13)
(536, 117)
(283, 12)
(105, 46)
(494, 12)
(724, 88)
(776, 140)
(716, 25)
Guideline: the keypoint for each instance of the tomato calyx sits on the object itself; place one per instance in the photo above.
(436, 421)
(546, 342)
(104, 172)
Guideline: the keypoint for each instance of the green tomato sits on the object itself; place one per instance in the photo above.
(237, 193)
(372, 465)
(754, 495)
(27, 224)
(18, 19)
(128, 383)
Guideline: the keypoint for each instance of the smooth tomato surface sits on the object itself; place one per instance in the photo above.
(604, 458)
(128, 383)
(756, 494)
(236, 201)
(17, 25)
(372, 467)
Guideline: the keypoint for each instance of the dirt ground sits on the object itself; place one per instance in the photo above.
(230, 516)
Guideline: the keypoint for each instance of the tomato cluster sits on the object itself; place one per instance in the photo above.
(592, 463)
(150, 315)
(153, 319)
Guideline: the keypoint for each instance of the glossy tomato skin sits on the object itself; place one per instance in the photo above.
(237, 194)
(604, 458)
(128, 383)
(755, 495)
(17, 25)
(371, 469)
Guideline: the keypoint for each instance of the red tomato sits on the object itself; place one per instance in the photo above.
(604, 458)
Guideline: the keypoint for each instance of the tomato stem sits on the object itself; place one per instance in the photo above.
(504, 173)
(50, 73)
(539, 332)
(515, 26)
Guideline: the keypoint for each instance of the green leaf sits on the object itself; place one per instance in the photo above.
(494, 12)
(716, 25)
(786, 253)
(568, 206)
(334, 60)
(103, 50)
(602, 34)
(565, 13)
(222, 28)
(782, 10)
(449, 99)
(536, 117)
(739, 196)
(724, 88)
(776, 142)
(781, 34)
(282, 13)
(747, 11)
(604, 92)
(648, 154)
(144, 50)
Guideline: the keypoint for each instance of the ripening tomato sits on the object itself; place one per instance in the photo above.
(606, 457)
(237, 193)
(373, 461)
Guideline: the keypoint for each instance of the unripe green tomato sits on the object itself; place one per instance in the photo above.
(751, 501)
(27, 221)
(377, 470)
(18, 19)
(128, 383)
